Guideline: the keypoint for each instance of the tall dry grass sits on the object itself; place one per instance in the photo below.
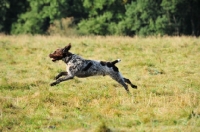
(166, 70)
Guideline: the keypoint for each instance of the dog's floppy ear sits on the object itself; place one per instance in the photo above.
(67, 48)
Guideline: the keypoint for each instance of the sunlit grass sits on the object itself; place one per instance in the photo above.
(166, 70)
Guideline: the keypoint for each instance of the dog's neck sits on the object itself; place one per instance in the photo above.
(67, 57)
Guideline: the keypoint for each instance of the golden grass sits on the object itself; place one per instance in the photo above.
(166, 70)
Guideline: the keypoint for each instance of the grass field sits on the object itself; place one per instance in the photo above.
(165, 69)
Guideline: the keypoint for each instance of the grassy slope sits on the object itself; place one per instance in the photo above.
(165, 69)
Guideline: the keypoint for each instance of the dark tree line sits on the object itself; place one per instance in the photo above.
(103, 17)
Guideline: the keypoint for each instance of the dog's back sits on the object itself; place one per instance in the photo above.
(96, 68)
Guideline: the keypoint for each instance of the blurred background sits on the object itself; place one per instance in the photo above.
(100, 17)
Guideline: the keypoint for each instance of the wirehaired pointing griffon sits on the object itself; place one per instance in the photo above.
(79, 67)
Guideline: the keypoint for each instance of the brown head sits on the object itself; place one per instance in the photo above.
(61, 53)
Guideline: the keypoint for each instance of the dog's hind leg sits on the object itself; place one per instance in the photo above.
(123, 84)
(129, 82)
(117, 77)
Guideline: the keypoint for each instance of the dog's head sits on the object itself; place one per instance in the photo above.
(61, 53)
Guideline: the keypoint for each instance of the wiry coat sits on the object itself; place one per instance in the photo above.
(79, 67)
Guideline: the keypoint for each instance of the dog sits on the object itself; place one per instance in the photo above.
(79, 67)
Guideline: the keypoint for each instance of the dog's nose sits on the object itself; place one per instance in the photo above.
(50, 55)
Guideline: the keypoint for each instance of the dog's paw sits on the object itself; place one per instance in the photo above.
(134, 86)
(53, 84)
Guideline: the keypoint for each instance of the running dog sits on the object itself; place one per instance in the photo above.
(79, 67)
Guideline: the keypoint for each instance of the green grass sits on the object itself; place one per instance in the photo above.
(166, 70)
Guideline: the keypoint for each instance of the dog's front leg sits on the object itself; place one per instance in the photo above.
(61, 74)
(62, 79)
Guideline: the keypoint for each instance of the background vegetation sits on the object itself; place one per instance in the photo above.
(101, 17)
(166, 70)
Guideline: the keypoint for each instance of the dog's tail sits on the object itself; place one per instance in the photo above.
(116, 61)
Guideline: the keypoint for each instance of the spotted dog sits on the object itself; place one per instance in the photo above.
(79, 67)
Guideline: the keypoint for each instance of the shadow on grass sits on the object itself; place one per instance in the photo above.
(103, 128)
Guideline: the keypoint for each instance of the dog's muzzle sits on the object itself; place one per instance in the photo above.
(54, 58)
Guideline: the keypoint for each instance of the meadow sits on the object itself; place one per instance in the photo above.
(165, 69)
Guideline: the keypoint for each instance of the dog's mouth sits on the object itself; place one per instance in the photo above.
(54, 58)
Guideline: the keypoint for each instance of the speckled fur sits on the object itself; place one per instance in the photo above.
(79, 67)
